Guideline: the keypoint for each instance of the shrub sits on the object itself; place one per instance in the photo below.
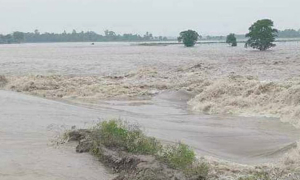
(116, 134)
(178, 156)
(198, 169)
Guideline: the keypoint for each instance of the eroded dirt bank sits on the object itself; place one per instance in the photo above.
(144, 165)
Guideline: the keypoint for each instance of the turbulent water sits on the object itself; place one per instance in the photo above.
(218, 79)
(225, 80)
(114, 58)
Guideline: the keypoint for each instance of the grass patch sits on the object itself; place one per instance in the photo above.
(116, 144)
(198, 169)
(117, 134)
(178, 156)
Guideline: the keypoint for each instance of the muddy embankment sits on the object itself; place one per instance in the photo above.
(133, 166)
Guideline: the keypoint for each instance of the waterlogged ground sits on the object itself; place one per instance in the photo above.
(225, 80)
(118, 58)
(225, 102)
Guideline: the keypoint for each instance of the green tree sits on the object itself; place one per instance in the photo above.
(18, 36)
(231, 39)
(189, 38)
(262, 35)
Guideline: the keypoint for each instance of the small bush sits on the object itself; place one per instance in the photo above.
(199, 169)
(179, 156)
(116, 134)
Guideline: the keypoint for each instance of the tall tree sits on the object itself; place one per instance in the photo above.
(262, 35)
(189, 38)
(231, 39)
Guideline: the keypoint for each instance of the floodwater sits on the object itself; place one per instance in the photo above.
(114, 58)
(92, 78)
(238, 139)
(28, 125)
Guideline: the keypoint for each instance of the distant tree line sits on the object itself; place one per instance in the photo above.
(289, 33)
(89, 36)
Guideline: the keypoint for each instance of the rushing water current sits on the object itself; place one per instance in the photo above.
(28, 123)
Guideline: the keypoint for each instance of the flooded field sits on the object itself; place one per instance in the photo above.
(119, 58)
(224, 80)
(225, 102)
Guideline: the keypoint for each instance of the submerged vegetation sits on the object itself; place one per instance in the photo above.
(262, 35)
(231, 40)
(189, 38)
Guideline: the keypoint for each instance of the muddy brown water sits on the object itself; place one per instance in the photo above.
(249, 140)
(280, 62)
(28, 124)
(27, 127)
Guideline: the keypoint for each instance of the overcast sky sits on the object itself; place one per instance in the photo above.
(161, 17)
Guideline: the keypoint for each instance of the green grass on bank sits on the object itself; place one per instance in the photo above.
(118, 135)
